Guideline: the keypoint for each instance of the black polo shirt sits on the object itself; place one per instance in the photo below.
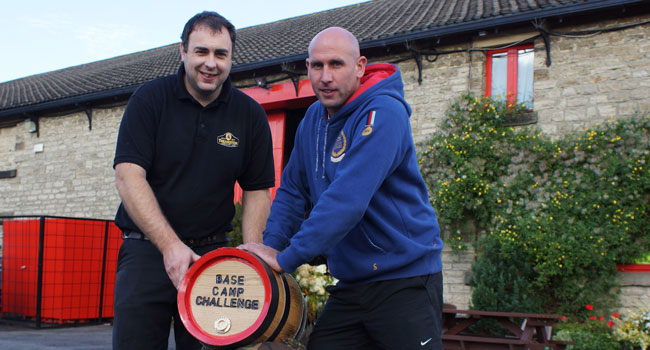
(193, 154)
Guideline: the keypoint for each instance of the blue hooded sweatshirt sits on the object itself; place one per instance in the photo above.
(355, 175)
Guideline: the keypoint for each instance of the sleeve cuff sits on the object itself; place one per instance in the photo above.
(289, 262)
(274, 241)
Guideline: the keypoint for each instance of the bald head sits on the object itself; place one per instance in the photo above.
(335, 67)
(336, 35)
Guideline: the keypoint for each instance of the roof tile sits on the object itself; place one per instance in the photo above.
(378, 19)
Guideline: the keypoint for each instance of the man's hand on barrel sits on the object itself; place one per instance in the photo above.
(178, 257)
(266, 253)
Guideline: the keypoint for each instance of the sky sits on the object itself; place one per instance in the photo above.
(40, 36)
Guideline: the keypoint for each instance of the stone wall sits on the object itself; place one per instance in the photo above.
(635, 291)
(442, 82)
(72, 175)
(592, 79)
(455, 274)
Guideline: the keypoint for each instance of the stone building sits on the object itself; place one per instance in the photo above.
(576, 62)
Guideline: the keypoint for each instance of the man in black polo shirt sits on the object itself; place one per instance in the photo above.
(183, 142)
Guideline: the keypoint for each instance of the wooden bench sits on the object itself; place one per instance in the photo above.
(533, 334)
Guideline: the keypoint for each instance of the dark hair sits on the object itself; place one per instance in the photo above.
(211, 19)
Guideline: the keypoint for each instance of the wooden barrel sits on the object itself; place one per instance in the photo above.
(230, 298)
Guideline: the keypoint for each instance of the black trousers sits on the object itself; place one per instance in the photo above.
(400, 314)
(145, 300)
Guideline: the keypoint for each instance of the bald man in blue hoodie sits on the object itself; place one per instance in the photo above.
(354, 169)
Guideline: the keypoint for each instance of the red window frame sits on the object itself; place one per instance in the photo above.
(512, 74)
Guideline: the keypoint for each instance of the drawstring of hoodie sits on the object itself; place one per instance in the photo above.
(327, 125)
(320, 122)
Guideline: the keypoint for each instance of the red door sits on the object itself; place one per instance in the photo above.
(277, 100)
(276, 123)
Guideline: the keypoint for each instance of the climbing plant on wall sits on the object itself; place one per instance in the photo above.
(552, 217)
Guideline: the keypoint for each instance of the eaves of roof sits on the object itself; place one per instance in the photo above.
(75, 101)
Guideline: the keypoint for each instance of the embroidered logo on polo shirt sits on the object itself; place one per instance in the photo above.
(228, 140)
(338, 152)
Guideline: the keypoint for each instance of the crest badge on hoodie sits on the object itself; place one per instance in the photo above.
(338, 151)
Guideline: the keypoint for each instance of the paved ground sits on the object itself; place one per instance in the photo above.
(23, 337)
(15, 336)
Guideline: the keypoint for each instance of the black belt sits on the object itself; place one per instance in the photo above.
(190, 242)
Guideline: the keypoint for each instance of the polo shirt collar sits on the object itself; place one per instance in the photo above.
(182, 93)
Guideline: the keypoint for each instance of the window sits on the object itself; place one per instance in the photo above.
(510, 75)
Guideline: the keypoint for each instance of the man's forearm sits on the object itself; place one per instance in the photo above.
(255, 210)
(142, 206)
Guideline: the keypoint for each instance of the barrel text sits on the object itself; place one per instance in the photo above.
(235, 303)
(233, 280)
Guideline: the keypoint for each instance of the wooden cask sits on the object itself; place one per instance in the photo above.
(230, 298)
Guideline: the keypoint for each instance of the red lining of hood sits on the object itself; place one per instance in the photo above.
(374, 73)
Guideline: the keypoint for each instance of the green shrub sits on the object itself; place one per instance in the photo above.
(643, 259)
(591, 335)
(550, 218)
(494, 277)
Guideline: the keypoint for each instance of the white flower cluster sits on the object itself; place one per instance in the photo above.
(312, 281)
(636, 328)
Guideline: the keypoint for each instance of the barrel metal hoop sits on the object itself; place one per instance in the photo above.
(287, 306)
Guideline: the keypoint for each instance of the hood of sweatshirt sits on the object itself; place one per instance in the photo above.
(378, 79)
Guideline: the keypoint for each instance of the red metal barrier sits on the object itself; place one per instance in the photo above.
(59, 270)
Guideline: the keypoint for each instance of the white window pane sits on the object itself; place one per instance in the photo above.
(525, 77)
(499, 76)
